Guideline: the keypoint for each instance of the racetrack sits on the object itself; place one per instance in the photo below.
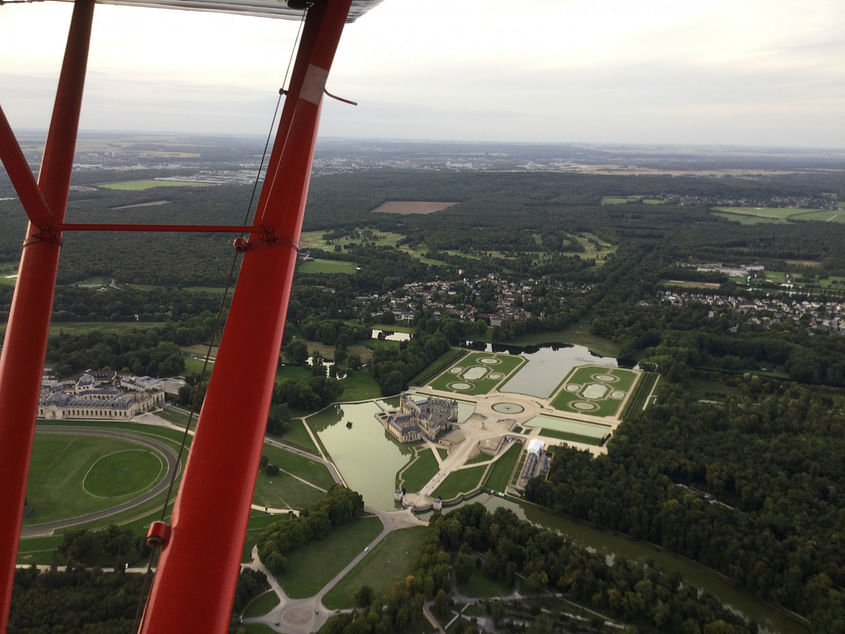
(171, 462)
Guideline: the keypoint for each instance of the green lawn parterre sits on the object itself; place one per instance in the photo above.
(595, 392)
(479, 377)
(460, 481)
(500, 473)
(422, 469)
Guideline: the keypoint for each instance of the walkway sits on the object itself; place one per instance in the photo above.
(302, 616)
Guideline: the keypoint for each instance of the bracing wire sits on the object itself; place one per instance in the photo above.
(147, 584)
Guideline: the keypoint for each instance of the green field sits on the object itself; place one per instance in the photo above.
(756, 215)
(391, 560)
(500, 473)
(149, 184)
(77, 327)
(66, 467)
(297, 435)
(326, 266)
(284, 491)
(309, 470)
(460, 481)
(574, 430)
(261, 604)
(421, 470)
(313, 565)
(594, 390)
(822, 215)
(123, 473)
(479, 372)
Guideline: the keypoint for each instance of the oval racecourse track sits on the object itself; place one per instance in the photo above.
(171, 461)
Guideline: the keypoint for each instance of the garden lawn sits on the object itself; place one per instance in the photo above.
(299, 436)
(500, 473)
(421, 470)
(391, 560)
(472, 371)
(359, 386)
(284, 491)
(460, 481)
(313, 565)
(313, 472)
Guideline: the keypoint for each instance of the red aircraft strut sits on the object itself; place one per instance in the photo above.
(22, 358)
(200, 560)
(199, 565)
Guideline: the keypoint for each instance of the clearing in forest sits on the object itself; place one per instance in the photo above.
(407, 207)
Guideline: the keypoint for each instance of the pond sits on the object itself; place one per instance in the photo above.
(367, 457)
(547, 366)
(770, 620)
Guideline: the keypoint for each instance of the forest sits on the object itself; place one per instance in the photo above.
(738, 465)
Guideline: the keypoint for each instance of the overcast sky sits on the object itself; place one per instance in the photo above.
(742, 72)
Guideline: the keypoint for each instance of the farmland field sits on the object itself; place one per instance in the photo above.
(149, 184)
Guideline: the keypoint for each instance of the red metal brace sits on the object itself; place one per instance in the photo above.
(199, 565)
(22, 358)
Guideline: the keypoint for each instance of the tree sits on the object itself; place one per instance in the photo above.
(296, 352)
(364, 596)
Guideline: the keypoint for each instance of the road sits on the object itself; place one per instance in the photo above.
(171, 463)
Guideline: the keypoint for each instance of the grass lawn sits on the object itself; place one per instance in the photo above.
(822, 215)
(258, 522)
(313, 565)
(60, 469)
(177, 417)
(297, 435)
(444, 361)
(482, 457)
(565, 435)
(443, 453)
(313, 472)
(460, 481)
(421, 470)
(261, 604)
(149, 184)
(359, 386)
(477, 373)
(500, 473)
(78, 327)
(481, 586)
(195, 366)
(326, 266)
(284, 491)
(124, 472)
(582, 392)
(293, 373)
(390, 561)
(257, 628)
